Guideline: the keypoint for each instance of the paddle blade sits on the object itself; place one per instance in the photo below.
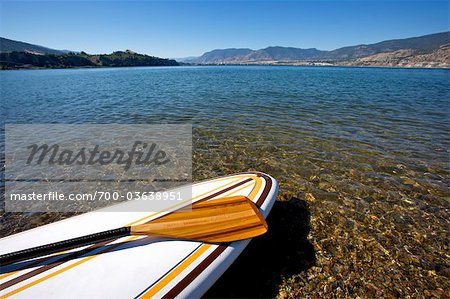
(220, 220)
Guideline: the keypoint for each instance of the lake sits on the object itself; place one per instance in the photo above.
(367, 149)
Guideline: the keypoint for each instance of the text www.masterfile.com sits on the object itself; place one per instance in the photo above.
(97, 196)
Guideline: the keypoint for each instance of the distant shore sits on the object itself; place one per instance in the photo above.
(31, 67)
(330, 65)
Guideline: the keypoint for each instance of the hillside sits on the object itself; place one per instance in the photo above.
(220, 55)
(439, 58)
(15, 60)
(129, 58)
(422, 45)
(8, 45)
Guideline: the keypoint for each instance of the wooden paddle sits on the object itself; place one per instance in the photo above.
(219, 220)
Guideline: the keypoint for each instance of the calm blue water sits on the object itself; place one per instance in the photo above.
(404, 111)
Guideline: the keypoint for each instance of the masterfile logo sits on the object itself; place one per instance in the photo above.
(91, 166)
(140, 154)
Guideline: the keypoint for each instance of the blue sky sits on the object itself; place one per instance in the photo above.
(189, 28)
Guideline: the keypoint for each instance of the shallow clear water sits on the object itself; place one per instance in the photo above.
(366, 145)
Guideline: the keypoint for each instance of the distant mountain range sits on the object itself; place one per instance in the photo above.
(431, 50)
(9, 45)
(414, 46)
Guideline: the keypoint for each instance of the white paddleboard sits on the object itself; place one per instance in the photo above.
(130, 267)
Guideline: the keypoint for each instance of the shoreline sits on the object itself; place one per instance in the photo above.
(226, 65)
(327, 65)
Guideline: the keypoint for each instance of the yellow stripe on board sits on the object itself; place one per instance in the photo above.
(167, 279)
(37, 265)
(129, 239)
(9, 274)
(63, 269)
(158, 287)
(256, 188)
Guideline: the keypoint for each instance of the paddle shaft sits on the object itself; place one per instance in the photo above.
(33, 252)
